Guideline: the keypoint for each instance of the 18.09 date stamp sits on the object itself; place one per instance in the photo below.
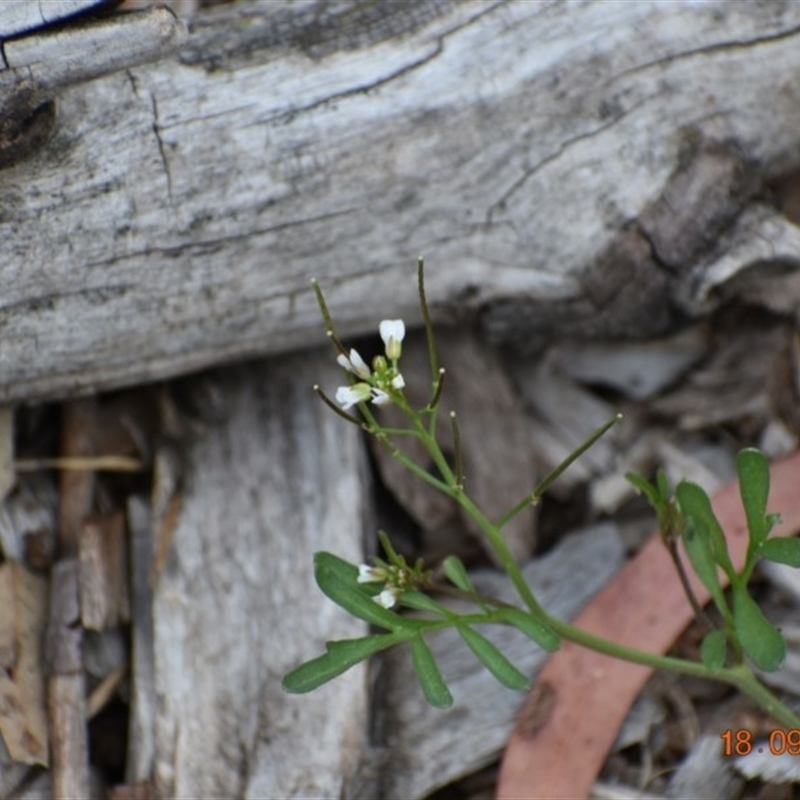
(741, 742)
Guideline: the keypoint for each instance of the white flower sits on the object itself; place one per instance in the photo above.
(368, 574)
(392, 333)
(348, 396)
(398, 382)
(380, 398)
(354, 364)
(387, 598)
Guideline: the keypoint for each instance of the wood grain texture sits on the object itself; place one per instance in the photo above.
(236, 605)
(531, 151)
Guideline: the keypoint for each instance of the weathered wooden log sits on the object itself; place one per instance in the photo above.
(562, 168)
(236, 605)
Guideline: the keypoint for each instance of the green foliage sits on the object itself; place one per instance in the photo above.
(430, 679)
(701, 521)
(533, 628)
(372, 593)
(493, 659)
(456, 573)
(761, 640)
(714, 650)
(753, 470)
(704, 541)
(337, 579)
(782, 551)
(340, 656)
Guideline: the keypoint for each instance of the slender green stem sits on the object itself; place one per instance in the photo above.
(747, 683)
(739, 676)
(449, 486)
(545, 484)
(426, 318)
(459, 461)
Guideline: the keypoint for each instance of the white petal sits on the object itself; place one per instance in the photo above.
(380, 398)
(348, 396)
(354, 363)
(387, 598)
(392, 329)
(368, 574)
(398, 382)
(359, 365)
(392, 333)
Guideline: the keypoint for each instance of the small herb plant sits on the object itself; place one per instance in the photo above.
(374, 593)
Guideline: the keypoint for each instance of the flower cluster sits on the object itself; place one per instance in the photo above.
(376, 384)
(394, 578)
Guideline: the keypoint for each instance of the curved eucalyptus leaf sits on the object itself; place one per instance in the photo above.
(493, 659)
(430, 679)
(340, 656)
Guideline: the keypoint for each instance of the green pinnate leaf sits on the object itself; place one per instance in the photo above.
(337, 579)
(340, 656)
(782, 551)
(493, 659)
(456, 573)
(698, 549)
(421, 602)
(543, 635)
(753, 470)
(700, 519)
(761, 640)
(430, 678)
(663, 484)
(713, 651)
(651, 492)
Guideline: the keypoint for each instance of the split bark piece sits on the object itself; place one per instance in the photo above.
(132, 791)
(430, 747)
(141, 734)
(66, 685)
(645, 607)
(66, 706)
(747, 377)
(28, 524)
(105, 598)
(236, 605)
(23, 607)
(639, 370)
